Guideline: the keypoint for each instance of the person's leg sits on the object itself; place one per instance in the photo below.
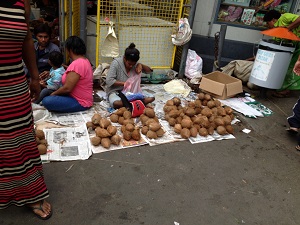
(45, 92)
(148, 97)
(115, 101)
(63, 104)
(294, 120)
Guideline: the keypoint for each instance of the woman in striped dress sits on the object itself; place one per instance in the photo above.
(21, 174)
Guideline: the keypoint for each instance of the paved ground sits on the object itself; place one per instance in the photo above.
(253, 179)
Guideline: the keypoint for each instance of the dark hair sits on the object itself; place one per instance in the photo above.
(272, 14)
(76, 44)
(42, 28)
(56, 58)
(131, 53)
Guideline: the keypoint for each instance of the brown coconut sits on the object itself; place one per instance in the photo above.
(40, 134)
(101, 132)
(114, 118)
(96, 118)
(112, 130)
(105, 142)
(160, 132)
(221, 130)
(154, 126)
(120, 111)
(144, 130)
(176, 101)
(104, 123)
(149, 112)
(95, 140)
(42, 149)
(116, 139)
(151, 134)
(185, 133)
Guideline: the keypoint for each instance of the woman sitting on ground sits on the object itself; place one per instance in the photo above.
(120, 70)
(76, 93)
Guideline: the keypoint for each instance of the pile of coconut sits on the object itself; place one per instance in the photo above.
(203, 116)
(41, 141)
(106, 133)
(151, 126)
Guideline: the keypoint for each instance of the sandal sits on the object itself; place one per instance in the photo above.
(297, 147)
(292, 130)
(40, 207)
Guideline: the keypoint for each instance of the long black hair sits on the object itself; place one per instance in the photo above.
(131, 53)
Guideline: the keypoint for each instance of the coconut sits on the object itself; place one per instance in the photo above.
(114, 118)
(95, 140)
(116, 139)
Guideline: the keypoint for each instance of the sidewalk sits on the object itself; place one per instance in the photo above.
(252, 179)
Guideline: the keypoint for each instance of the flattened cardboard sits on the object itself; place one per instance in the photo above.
(220, 85)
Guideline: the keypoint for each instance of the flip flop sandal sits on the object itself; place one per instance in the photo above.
(32, 208)
(292, 131)
(297, 147)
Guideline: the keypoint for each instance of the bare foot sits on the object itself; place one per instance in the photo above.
(42, 209)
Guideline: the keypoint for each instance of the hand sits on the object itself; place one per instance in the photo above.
(42, 83)
(296, 68)
(35, 89)
(138, 68)
(44, 75)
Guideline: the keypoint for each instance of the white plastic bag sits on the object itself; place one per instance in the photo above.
(184, 33)
(110, 47)
(193, 66)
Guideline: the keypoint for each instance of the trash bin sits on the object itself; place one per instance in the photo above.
(270, 65)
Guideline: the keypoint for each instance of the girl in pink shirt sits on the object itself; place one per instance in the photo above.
(76, 94)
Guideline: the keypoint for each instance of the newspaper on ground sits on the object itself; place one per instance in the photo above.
(67, 143)
(239, 104)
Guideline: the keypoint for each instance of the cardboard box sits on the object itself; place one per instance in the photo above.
(220, 85)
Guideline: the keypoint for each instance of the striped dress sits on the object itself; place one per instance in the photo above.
(21, 173)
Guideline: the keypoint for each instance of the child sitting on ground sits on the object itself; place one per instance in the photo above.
(56, 72)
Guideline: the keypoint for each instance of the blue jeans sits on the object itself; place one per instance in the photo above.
(45, 92)
(62, 104)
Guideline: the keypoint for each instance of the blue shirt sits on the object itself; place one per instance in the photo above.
(54, 82)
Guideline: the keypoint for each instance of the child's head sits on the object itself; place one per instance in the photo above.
(56, 59)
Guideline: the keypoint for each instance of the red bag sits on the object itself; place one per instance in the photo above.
(138, 108)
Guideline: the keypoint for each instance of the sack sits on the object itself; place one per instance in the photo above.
(100, 74)
(184, 33)
(110, 46)
(193, 66)
(136, 107)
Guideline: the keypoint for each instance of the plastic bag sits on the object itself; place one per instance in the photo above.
(110, 46)
(184, 33)
(133, 84)
(193, 67)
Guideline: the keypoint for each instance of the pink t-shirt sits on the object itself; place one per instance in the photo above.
(83, 91)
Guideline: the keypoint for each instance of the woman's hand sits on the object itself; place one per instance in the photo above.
(35, 89)
(138, 68)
